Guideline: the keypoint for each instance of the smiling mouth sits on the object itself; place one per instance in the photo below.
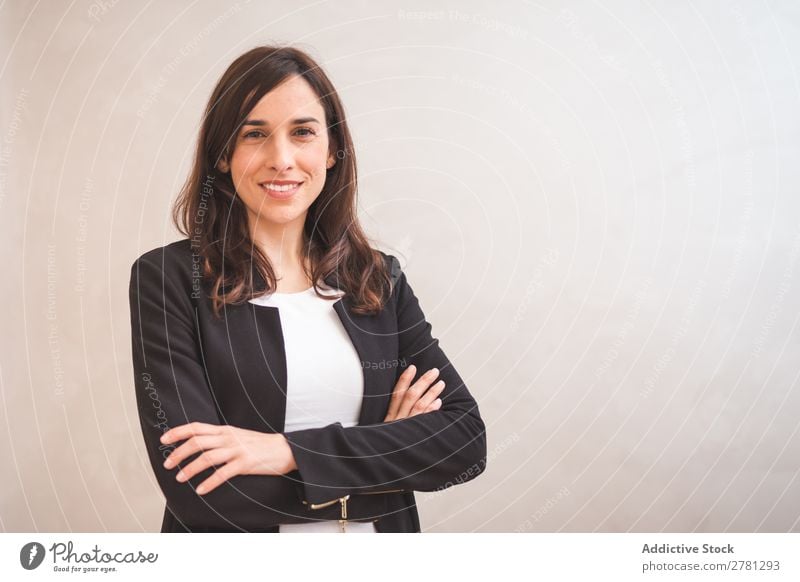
(280, 188)
(281, 191)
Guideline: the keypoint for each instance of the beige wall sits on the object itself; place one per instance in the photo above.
(597, 206)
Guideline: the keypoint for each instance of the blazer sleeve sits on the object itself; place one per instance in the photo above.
(171, 390)
(424, 453)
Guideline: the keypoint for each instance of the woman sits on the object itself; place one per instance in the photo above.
(275, 351)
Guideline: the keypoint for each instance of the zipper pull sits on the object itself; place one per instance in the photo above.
(343, 521)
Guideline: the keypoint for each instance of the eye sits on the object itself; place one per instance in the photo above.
(253, 133)
(306, 129)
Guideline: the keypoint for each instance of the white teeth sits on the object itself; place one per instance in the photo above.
(285, 188)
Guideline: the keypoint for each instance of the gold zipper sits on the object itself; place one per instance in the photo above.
(376, 492)
(343, 501)
(343, 521)
(322, 505)
(339, 499)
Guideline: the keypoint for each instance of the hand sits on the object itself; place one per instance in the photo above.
(419, 398)
(233, 451)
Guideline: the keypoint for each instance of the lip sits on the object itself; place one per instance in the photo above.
(281, 195)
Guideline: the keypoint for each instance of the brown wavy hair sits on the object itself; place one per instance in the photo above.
(210, 213)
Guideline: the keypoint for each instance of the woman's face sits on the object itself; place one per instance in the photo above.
(279, 162)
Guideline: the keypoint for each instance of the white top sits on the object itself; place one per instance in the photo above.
(325, 381)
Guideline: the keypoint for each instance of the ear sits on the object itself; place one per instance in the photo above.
(331, 161)
(223, 166)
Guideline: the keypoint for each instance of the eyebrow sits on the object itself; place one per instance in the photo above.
(298, 121)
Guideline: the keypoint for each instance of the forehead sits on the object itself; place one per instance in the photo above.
(292, 98)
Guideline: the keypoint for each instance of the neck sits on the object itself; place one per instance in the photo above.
(282, 244)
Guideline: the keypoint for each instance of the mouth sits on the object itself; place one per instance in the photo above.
(280, 189)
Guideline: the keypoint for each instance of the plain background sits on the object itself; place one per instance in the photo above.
(596, 202)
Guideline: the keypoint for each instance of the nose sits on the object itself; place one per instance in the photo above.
(278, 154)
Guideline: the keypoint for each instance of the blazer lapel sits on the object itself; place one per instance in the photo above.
(374, 343)
(249, 364)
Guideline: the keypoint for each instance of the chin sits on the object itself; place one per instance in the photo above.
(280, 218)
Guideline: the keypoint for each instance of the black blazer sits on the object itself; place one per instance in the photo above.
(190, 366)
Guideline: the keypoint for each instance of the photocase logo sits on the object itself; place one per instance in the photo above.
(31, 555)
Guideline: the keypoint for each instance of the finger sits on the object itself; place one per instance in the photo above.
(204, 461)
(416, 391)
(185, 431)
(219, 477)
(427, 399)
(399, 391)
(435, 405)
(190, 447)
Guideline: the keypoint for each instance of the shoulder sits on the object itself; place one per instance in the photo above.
(392, 265)
(174, 261)
(177, 249)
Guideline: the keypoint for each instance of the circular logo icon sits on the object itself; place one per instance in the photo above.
(31, 555)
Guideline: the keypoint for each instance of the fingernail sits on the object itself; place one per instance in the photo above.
(167, 464)
(201, 489)
(180, 476)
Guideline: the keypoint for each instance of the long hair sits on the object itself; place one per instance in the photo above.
(210, 213)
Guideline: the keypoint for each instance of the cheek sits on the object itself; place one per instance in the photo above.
(314, 159)
(243, 163)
